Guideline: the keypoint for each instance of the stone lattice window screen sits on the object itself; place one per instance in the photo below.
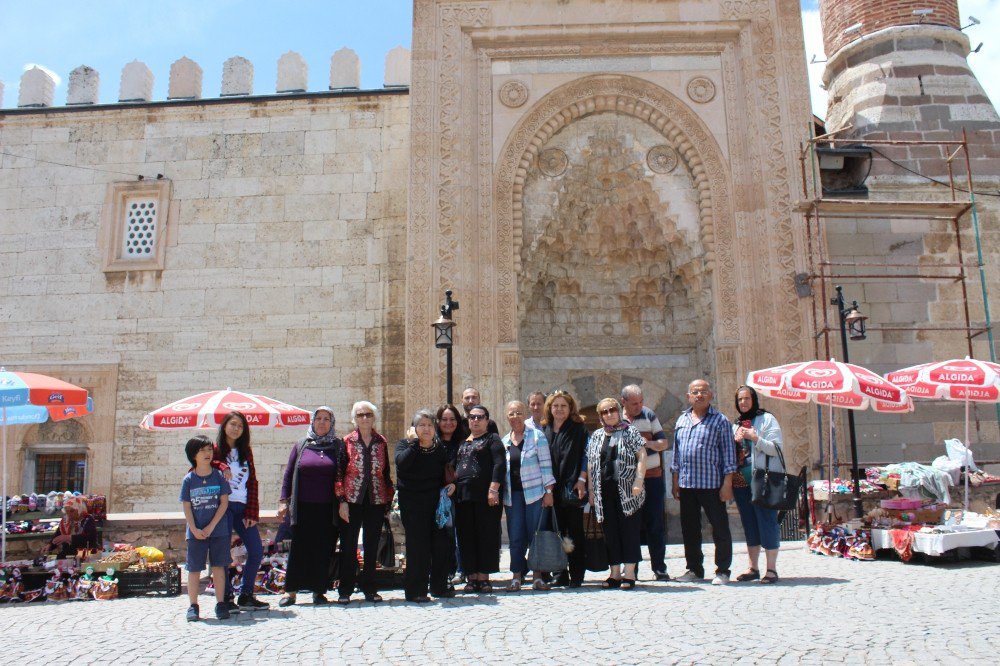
(139, 237)
(134, 225)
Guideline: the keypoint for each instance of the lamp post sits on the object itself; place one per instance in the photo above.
(852, 323)
(443, 336)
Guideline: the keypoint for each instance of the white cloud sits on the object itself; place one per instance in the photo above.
(984, 64)
(55, 77)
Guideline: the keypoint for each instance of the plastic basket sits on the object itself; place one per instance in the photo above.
(138, 583)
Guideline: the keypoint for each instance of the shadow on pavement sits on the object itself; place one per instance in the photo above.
(808, 580)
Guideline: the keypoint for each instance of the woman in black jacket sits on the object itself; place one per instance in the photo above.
(420, 479)
(480, 469)
(567, 437)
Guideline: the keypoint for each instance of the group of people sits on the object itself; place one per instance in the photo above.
(457, 478)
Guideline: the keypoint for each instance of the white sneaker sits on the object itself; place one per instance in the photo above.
(720, 579)
(688, 577)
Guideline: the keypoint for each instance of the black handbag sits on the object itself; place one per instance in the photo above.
(386, 555)
(569, 498)
(546, 552)
(596, 549)
(775, 490)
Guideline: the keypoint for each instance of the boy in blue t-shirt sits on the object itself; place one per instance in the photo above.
(205, 494)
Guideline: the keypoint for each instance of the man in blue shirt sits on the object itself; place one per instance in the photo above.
(703, 466)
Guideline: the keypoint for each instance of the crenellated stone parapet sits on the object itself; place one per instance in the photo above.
(37, 88)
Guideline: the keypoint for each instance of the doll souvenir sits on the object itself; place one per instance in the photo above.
(32, 503)
(260, 582)
(55, 587)
(15, 586)
(69, 582)
(5, 586)
(85, 585)
(106, 587)
(50, 503)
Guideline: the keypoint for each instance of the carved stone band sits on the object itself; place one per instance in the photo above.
(701, 89)
(513, 94)
(661, 159)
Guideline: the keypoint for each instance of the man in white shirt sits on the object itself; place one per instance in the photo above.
(536, 404)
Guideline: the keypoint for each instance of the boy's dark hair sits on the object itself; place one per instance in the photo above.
(194, 445)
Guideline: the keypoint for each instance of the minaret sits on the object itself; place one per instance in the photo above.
(899, 67)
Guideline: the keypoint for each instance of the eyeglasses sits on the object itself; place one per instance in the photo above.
(610, 410)
(699, 392)
(364, 415)
(477, 417)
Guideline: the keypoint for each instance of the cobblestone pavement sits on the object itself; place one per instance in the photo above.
(823, 611)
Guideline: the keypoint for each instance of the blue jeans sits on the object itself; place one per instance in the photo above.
(653, 523)
(759, 525)
(522, 521)
(255, 549)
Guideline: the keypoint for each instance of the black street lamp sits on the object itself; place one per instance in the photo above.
(851, 322)
(444, 335)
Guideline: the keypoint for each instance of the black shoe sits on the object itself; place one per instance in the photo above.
(575, 583)
(661, 575)
(287, 600)
(444, 594)
(250, 602)
(192, 614)
(222, 611)
(562, 580)
(232, 607)
(320, 600)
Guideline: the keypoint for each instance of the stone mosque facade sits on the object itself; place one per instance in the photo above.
(610, 189)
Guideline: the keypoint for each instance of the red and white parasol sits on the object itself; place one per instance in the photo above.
(831, 383)
(834, 384)
(207, 410)
(966, 380)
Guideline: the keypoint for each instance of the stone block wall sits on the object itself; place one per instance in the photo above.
(282, 274)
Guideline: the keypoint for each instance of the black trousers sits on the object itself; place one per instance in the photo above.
(314, 538)
(693, 501)
(478, 526)
(369, 517)
(621, 532)
(571, 524)
(428, 547)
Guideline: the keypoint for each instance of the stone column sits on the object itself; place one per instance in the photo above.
(237, 77)
(185, 80)
(293, 73)
(397, 67)
(136, 83)
(345, 70)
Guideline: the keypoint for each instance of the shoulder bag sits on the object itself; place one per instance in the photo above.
(775, 490)
(546, 552)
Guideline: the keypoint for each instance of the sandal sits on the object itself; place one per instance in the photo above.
(749, 574)
(485, 587)
(541, 586)
(514, 585)
(471, 586)
(770, 577)
(612, 583)
(628, 584)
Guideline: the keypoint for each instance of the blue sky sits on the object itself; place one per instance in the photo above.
(108, 34)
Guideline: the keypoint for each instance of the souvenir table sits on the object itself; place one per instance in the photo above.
(937, 544)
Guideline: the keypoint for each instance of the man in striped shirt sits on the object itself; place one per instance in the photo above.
(703, 466)
(646, 422)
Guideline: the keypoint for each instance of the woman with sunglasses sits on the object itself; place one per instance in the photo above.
(364, 487)
(480, 470)
(451, 430)
(616, 464)
(567, 437)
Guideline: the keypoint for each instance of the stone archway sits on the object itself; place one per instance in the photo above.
(682, 143)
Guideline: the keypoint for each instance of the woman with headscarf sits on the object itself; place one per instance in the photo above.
(758, 435)
(616, 466)
(308, 498)
(365, 491)
(76, 530)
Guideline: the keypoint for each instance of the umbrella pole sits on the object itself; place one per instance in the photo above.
(3, 525)
(968, 452)
(829, 478)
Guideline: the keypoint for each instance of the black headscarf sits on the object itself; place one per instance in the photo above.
(755, 409)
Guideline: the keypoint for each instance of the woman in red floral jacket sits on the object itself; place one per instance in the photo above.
(364, 488)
